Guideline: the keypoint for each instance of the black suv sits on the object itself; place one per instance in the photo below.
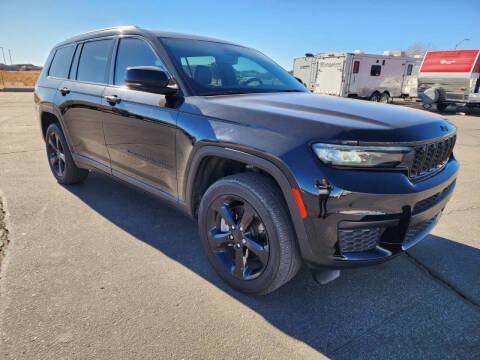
(275, 175)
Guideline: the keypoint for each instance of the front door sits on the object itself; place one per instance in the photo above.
(139, 128)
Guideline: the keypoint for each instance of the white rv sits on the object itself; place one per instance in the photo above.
(305, 69)
(375, 77)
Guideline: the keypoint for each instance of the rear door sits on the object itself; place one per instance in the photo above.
(409, 85)
(58, 72)
(354, 77)
(81, 101)
(330, 75)
(140, 126)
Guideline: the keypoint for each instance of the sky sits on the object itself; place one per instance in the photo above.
(280, 29)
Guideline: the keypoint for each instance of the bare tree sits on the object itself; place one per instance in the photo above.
(417, 49)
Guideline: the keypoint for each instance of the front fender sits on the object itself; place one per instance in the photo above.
(285, 184)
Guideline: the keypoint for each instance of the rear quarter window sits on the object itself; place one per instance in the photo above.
(61, 62)
(92, 66)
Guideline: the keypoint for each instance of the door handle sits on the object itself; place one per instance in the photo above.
(112, 99)
(64, 91)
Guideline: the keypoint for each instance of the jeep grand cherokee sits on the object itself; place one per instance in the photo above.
(275, 176)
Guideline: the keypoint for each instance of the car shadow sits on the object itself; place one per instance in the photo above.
(366, 313)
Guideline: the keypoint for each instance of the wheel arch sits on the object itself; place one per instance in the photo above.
(275, 172)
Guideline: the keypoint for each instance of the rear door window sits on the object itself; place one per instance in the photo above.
(409, 69)
(61, 62)
(133, 52)
(92, 66)
(356, 67)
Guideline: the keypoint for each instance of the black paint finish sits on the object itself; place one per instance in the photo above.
(157, 142)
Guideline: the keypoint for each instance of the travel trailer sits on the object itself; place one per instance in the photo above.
(374, 77)
(305, 69)
(450, 77)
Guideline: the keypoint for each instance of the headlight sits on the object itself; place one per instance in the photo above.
(364, 156)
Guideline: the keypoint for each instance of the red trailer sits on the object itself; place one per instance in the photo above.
(450, 77)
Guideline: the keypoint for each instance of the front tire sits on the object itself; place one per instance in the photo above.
(247, 234)
(60, 158)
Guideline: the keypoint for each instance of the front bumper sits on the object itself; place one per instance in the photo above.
(381, 216)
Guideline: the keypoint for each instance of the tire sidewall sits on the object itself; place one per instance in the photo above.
(268, 276)
(55, 128)
(383, 96)
(375, 97)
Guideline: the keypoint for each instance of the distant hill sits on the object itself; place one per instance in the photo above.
(20, 67)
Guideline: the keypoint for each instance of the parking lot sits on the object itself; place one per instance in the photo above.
(101, 270)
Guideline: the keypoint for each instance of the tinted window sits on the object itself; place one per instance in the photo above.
(133, 52)
(212, 68)
(93, 61)
(409, 69)
(375, 70)
(61, 62)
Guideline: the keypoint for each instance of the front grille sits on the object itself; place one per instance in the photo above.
(430, 201)
(415, 230)
(357, 240)
(431, 157)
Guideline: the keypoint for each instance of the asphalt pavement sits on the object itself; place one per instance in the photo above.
(101, 270)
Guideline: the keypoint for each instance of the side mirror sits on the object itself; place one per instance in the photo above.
(149, 79)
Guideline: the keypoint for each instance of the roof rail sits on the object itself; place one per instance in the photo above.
(121, 27)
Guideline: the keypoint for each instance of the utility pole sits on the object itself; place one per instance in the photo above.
(10, 54)
(3, 53)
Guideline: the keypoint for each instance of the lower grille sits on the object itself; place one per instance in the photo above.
(415, 230)
(357, 240)
(430, 201)
(431, 157)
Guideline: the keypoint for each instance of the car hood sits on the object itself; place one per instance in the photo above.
(323, 118)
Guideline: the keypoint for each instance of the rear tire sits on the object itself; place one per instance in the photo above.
(385, 98)
(442, 107)
(269, 256)
(60, 158)
(375, 97)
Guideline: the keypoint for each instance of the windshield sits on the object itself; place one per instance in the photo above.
(213, 68)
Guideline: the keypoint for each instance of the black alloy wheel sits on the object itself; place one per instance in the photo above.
(60, 159)
(247, 234)
(238, 237)
(56, 154)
